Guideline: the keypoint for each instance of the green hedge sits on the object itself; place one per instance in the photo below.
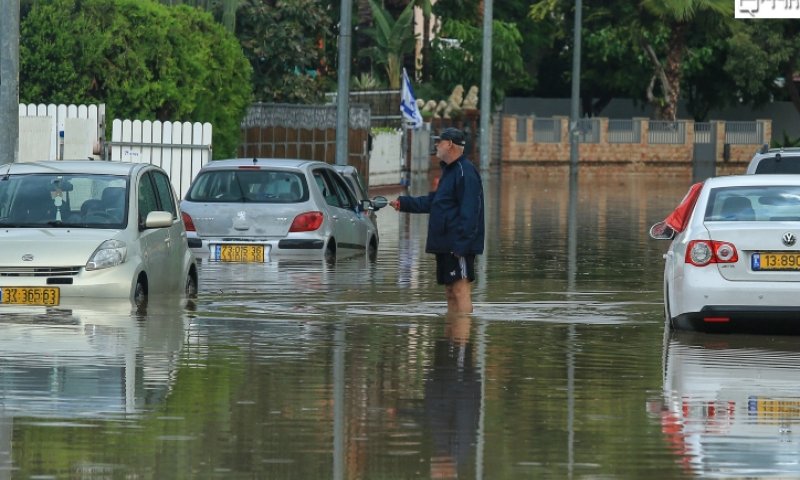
(144, 60)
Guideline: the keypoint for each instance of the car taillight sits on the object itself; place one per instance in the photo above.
(306, 222)
(704, 252)
(188, 224)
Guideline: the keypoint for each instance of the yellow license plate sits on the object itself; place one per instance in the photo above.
(775, 261)
(48, 296)
(239, 253)
(776, 407)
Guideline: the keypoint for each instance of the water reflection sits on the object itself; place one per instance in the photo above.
(70, 368)
(309, 370)
(453, 401)
(732, 405)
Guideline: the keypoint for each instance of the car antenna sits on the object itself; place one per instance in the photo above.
(255, 160)
(764, 148)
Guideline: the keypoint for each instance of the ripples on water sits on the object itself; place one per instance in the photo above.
(304, 370)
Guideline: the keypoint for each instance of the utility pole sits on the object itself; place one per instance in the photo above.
(9, 81)
(576, 92)
(486, 85)
(343, 89)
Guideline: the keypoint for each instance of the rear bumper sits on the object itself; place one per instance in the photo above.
(283, 248)
(749, 319)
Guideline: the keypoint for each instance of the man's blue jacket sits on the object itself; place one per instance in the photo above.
(455, 224)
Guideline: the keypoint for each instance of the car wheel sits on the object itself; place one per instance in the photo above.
(330, 252)
(140, 292)
(372, 250)
(191, 286)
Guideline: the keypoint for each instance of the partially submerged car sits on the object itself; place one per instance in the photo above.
(90, 229)
(254, 209)
(734, 260)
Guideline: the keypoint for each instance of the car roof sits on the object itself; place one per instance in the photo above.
(100, 167)
(288, 163)
(791, 151)
(753, 180)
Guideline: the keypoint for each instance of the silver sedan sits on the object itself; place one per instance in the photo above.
(253, 210)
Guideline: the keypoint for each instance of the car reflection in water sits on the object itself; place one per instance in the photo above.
(732, 405)
(98, 362)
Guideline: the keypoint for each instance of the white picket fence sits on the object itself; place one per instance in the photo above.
(180, 148)
(58, 132)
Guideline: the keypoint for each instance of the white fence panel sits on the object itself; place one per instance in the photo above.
(181, 149)
(65, 131)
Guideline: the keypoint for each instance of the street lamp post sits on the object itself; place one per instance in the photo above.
(9, 81)
(576, 92)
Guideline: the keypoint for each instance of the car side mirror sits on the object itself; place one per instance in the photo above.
(379, 202)
(661, 231)
(158, 220)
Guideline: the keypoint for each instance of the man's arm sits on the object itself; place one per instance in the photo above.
(405, 203)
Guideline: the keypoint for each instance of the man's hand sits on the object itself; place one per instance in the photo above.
(395, 204)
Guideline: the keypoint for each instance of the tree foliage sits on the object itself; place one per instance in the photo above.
(762, 59)
(284, 41)
(140, 58)
(458, 52)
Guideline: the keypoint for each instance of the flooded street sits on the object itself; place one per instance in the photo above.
(295, 370)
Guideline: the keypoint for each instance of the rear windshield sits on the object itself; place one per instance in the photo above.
(255, 186)
(762, 204)
(782, 165)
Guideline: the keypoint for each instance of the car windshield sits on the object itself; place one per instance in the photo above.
(770, 203)
(249, 185)
(63, 200)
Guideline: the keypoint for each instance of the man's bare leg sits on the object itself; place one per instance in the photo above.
(459, 296)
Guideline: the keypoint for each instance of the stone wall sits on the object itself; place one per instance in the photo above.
(638, 154)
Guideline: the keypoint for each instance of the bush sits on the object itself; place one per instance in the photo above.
(142, 59)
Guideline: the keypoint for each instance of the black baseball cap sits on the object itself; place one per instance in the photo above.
(453, 134)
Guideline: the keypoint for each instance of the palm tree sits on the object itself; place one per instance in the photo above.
(393, 39)
(678, 15)
(426, 7)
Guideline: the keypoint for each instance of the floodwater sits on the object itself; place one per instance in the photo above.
(353, 371)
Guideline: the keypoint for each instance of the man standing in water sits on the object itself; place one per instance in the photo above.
(455, 224)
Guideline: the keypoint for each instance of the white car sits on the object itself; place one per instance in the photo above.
(734, 261)
(775, 160)
(255, 209)
(90, 229)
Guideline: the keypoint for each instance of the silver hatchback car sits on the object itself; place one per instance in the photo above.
(90, 229)
(256, 209)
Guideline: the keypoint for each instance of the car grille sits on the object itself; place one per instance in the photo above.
(39, 271)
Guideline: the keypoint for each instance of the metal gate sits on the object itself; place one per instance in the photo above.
(704, 154)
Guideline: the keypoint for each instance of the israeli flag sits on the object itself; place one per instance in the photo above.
(408, 104)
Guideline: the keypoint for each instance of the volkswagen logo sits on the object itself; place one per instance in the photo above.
(27, 257)
(789, 239)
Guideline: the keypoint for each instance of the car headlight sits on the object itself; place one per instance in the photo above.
(110, 253)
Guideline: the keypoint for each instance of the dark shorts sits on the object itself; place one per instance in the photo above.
(450, 268)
